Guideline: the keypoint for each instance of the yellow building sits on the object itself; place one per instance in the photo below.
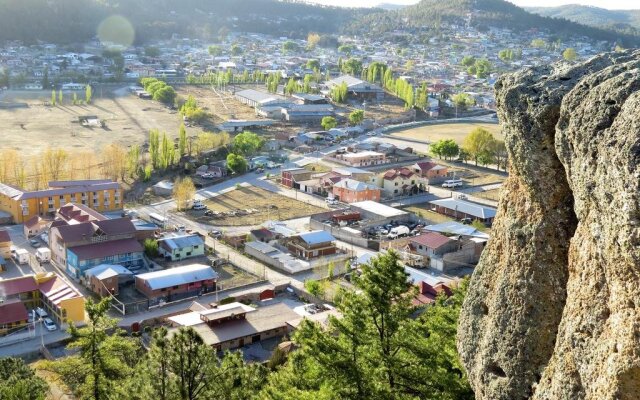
(99, 194)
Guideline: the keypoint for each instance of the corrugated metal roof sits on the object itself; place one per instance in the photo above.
(474, 209)
(316, 237)
(181, 242)
(178, 276)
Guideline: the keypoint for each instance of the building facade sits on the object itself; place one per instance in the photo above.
(101, 195)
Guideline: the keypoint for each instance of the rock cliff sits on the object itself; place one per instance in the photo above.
(552, 310)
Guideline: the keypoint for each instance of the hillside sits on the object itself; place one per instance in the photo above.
(622, 20)
(430, 14)
(66, 21)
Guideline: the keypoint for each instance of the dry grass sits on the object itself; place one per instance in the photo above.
(319, 168)
(492, 194)
(456, 132)
(128, 121)
(475, 178)
(253, 206)
(424, 212)
(232, 276)
(221, 105)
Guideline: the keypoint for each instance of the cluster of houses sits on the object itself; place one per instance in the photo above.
(351, 184)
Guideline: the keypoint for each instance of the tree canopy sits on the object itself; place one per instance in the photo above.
(18, 381)
(247, 143)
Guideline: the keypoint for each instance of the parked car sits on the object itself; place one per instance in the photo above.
(466, 221)
(199, 207)
(208, 176)
(49, 324)
(398, 231)
(34, 243)
(215, 234)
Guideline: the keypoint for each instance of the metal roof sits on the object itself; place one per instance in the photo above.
(104, 271)
(474, 209)
(181, 242)
(316, 237)
(352, 184)
(378, 209)
(178, 276)
(456, 228)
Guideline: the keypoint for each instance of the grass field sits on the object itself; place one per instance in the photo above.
(128, 121)
(252, 206)
(492, 194)
(423, 211)
(456, 132)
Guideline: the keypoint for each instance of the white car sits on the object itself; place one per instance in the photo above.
(199, 206)
(49, 324)
(208, 176)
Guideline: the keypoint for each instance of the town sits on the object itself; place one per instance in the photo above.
(243, 185)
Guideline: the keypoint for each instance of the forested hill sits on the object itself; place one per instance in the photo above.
(626, 21)
(430, 14)
(65, 21)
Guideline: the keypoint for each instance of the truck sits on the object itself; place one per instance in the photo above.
(398, 231)
(43, 255)
(21, 256)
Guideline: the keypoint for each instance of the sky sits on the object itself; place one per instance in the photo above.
(610, 4)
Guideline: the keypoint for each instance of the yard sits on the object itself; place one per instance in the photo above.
(457, 132)
(221, 105)
(491, 194)
(252, 206)
(424, 212)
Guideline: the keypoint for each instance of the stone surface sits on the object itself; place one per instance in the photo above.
(551, 311)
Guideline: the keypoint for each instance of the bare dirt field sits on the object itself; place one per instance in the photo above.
(221, 105)
(456, 132)
(252, 206)
(38, 126)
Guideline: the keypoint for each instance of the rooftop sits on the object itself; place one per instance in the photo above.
(316, 237)
(432, 240)
(105, 249)
(178, 276)
(378, 209)
(180, 242)
(466, 207)
(352, 184)
(13, 312)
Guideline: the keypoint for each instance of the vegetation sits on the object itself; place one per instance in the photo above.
(159, 90)
(18, 381)
(447, 148)
(247, 143)
(481, 68)
(377, 350)
(237, 163)
(183, 191)
(192, 112)
(481, 146)
(463, 100)
(356, 117)
(570, 54)
(328, 123)
(340, 93)
(150, 247)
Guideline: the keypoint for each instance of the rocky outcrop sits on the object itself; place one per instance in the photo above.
(552, 311)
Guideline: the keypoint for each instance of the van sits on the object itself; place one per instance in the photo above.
(21, 256)
(398, 231)
(452, 183)
(43, 255)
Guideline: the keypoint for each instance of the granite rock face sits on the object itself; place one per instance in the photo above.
(552, 310)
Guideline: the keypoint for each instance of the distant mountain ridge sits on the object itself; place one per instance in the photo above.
(620, 20)
(481, 14)
(68, 21)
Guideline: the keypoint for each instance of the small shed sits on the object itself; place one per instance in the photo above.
(163, 188)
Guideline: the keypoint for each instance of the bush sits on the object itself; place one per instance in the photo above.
(227, 300)
(151, 248)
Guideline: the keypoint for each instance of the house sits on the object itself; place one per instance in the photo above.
(99, 194)
(312, 244)
(459, 209)
(307, 113)
(434, 173)
(357, 87)
(177, 283)
(104, 280)
(5, 244)
(362, 158)
(307, 98)
(234, 325)
(351, 191)
(380, 213)
(257, 99)
(429, 285)
(163, 188)
(35, 226)
(13, 316)
(291, 176)
(60, 300)
(433, 244)
(401, 182)
(263, 235)
(176, 248)
(80, 246)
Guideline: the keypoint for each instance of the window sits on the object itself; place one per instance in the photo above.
(396, 184)
(61, 197)
(50, 198)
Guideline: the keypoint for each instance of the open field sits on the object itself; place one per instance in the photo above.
(220, 104)
(492, 194)
(423, 211)
(473, 177)
(128, 121)
(252, 206)
(456, 132)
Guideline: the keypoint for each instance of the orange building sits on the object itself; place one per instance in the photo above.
(351, 191)
(99, 194)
